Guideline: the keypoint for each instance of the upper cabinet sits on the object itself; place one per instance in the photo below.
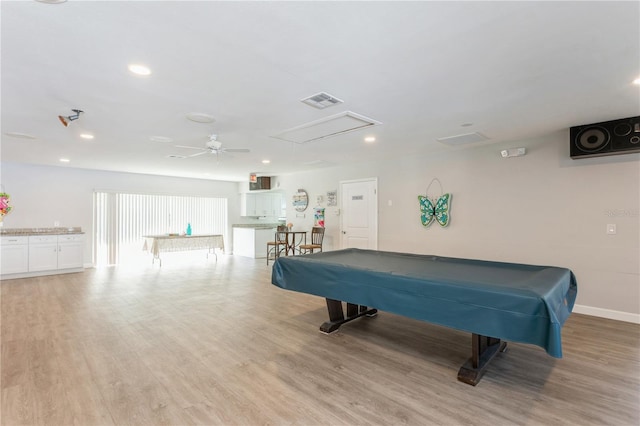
(261, 204)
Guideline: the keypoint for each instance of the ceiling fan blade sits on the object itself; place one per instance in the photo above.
(198, 153)
(189, 147)
(236, 150)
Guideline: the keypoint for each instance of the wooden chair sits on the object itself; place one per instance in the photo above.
(317, 235)
(279, 242)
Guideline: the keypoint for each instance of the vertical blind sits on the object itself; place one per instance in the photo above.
(121, 219)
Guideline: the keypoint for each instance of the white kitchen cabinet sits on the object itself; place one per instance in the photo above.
(14, 255)
(248, 205)
(252, 242)
(43, 253)
(70, 251)
(34, 255)
(264, 206)
(261, 204)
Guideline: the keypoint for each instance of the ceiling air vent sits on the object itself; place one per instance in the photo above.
(321, 100)
(326, 127)
(465, 139)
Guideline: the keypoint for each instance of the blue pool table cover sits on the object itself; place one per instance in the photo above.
(509, 301)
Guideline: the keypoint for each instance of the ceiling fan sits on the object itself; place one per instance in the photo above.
(213, 146)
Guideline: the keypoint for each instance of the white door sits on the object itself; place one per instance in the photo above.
(359, 213)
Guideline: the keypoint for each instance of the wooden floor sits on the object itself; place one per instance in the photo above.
(215, 343)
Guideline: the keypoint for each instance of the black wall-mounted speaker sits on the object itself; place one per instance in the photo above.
(606, 138)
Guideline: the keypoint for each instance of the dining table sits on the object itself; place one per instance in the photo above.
(156, 244)
(293, 239)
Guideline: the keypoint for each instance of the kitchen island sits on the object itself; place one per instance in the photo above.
(250, 240)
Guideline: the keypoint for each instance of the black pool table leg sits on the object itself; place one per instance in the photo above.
(483, 349)
(337, 318)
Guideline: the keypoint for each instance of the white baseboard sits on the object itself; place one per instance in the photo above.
(607, 313)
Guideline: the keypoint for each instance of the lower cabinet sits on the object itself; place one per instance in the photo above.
(14, 255)
(43, 253)
(70, 251)
(33, 255)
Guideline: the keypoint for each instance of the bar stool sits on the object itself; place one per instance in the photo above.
(317, 235)
(274, 247)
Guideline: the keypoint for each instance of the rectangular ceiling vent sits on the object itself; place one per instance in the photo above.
(465, 139)
(318, 163)
(321, 100)
(333, 125)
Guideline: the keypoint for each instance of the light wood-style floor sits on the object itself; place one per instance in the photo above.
(215, 343)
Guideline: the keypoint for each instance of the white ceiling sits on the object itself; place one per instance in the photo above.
(515, 70)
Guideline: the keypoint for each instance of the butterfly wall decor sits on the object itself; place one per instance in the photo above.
(435, 208)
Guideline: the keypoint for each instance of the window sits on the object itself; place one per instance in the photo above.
(120, 221)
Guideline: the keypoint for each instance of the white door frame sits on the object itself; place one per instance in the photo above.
(375, 212)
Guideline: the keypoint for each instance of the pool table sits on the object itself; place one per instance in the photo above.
(495, 301)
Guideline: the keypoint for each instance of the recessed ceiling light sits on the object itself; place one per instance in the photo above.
(637, 81)
(370, 139)
(161, 139)
(52, 1)
(200, 117)
(266, 161)
(175, 156)
(138, 69)
(20, 135)
(466, 124)
(87, 136)
(64, 160)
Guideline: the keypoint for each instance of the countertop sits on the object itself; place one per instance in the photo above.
(41, 231)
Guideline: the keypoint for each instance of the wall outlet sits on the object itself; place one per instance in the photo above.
(56, 223)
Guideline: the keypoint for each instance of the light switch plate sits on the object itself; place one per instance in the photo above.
(611, 228)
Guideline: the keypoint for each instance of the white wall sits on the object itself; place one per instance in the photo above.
(41, 195)
(543, 208)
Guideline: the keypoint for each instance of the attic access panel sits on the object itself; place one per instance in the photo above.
(332, 125)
